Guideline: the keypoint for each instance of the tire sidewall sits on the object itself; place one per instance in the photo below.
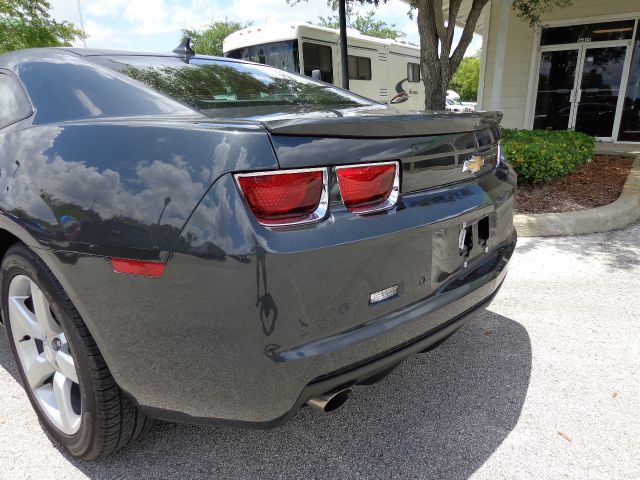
(21, 261)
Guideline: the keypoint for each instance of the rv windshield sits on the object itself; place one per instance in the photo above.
(283, 55)
(207, 84)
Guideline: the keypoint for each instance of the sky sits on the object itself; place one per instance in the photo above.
(156, 25)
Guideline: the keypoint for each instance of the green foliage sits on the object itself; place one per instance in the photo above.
(531, 11)
(209, 41)
(28, 24)
(465, 80)
(366, 24)
(540, 156)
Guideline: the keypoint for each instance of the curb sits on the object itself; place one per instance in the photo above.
(619, 214)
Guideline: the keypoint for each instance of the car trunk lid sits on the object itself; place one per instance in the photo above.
(434, 149)
(376, 123)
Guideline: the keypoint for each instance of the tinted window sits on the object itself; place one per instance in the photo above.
(318, 57)
(592, 32)
(208, 85)
(14, 105)
(77, 89)
(630, 123)
(359, 68)
(413, 72)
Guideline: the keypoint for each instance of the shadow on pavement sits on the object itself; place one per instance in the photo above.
(618, 249)
(6, 361)
(439, 415)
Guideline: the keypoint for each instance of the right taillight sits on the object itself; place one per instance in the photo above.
(286, 197)
(369, 187)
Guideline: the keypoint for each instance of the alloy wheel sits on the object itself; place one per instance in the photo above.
(44, 354)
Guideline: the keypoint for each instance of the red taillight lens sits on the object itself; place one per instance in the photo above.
(283, 198)
(366, 187)
(137, 267)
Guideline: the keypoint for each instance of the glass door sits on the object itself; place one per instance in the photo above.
(597, 98)
(556, 84)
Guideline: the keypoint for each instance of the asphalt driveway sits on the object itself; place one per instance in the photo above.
(546, 384)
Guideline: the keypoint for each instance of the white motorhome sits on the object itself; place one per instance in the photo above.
(383, 70)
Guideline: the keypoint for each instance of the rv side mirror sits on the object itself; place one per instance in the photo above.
(316, 74)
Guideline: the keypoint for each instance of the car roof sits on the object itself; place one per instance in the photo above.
(12, 59)
(106, 52)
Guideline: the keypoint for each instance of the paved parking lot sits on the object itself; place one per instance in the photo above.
(546, 384)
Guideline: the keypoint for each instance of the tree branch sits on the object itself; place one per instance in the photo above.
(467, 33)
(447, 40)
(436, 7)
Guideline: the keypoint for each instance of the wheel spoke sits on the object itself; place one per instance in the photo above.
(39, 371)
(43, 312)
(24, 319)
(66, 366)
(62, 395)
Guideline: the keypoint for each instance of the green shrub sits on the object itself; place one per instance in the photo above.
(540, 156)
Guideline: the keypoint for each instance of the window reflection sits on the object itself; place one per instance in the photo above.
(556, 80)
(207, 85)
(600, 88)
(630, 124)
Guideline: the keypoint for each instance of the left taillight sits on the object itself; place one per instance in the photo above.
(286, 197)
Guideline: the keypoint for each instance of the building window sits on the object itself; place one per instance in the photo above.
(630, 122)
(591, 32)
(359, 68)
(413, 72)
(318, 57)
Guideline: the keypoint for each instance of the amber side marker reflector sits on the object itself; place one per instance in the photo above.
(137, 267)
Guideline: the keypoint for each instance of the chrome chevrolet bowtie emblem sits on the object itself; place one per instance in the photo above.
(473, 165)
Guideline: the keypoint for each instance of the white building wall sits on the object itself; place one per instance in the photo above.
(520, 43)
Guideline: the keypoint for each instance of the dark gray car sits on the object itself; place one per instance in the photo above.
(207, 240)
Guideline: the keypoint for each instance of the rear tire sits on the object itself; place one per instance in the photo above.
(87, 412)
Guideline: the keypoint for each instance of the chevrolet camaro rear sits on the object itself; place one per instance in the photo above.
(204, 240)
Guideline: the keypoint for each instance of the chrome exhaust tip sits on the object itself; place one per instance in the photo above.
(330, 401)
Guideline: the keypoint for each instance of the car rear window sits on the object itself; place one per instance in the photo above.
(207, 84)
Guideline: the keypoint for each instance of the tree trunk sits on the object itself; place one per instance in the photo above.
(430, 65)
(437, 63)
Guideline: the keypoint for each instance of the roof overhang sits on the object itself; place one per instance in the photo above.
(463, 13)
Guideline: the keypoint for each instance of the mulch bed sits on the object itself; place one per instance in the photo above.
(592, 185)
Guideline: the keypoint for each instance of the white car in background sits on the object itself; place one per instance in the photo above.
(455, 106)
(453, 95)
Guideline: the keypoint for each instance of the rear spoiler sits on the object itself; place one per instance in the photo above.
(384, 126)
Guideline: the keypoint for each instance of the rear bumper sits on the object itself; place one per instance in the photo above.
(485, 279)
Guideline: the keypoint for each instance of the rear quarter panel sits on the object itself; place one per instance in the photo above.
(118, 188)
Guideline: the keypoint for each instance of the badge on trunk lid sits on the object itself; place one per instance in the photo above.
(474, 164)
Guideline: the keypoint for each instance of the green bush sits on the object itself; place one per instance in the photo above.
(540, 156)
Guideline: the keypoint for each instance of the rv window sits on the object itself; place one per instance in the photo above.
(413, 72)
(318, 57)
(359, 68)
(282, 55)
